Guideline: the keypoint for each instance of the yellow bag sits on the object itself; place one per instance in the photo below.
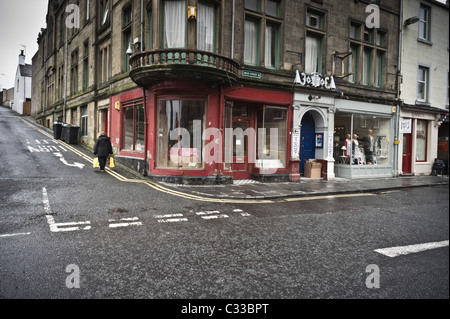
(112, 162)
(96, 163)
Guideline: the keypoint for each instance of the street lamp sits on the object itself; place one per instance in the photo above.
(411, 20)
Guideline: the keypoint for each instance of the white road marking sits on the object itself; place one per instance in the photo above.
(55, 227)
(13, 235)
(215, 217)
(61, 158)
(207, 213)
(120, 223)
(170, 218)
(410, 249)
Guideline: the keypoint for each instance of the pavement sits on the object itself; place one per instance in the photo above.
(306, 187)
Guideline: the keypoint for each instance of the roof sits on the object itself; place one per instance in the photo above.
(26, 70)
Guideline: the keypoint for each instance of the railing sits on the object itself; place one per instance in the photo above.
(167, 57)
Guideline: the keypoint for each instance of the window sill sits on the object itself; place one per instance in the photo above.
(425, 41)
(423, 103)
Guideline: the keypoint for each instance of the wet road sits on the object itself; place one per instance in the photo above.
(135, 240)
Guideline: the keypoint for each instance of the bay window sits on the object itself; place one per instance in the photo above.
(181, 122)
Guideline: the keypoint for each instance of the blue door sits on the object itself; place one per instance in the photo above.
(307, 144)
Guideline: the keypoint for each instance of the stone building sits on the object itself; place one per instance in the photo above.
(424, 86)
(211, 91)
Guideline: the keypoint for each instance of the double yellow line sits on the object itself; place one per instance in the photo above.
(169, 191)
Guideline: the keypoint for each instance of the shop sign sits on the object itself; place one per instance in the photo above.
(405, 126)
(251, 74)
(295, 144)
(315, 80)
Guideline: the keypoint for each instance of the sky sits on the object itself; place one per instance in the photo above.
(20, 24)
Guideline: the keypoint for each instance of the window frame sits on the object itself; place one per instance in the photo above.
(135, 106)
(427, 23)
(425, 82)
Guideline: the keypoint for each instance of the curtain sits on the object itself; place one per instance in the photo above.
(205, 25)
(250, 42)
(174, 24)
(270, 47)
(312, 55)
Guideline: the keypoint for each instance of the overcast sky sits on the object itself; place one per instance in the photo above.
(20, 24)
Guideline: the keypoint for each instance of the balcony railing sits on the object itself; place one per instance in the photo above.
(208, 64)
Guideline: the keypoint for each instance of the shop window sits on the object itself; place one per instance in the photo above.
(84, 121)
(181, 123)
(421, 141)
(134, 128)
(206, 27)
(367, 140)
(174, 24)
(272, 137)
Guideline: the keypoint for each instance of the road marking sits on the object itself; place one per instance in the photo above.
(55, 227)
(171, 218)
(222, 216)
(13, 235)
(410, 249)
(120, 223)
(208, 215)
(173, 192)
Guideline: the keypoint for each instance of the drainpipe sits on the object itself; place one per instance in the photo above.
(399, 77)
(65, 77)
(232, 29)
(147, 166)
(142, 25)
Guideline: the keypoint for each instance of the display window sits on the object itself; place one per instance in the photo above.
(181, 122)
(362, 139)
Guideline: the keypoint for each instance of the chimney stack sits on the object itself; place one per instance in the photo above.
(22, 58)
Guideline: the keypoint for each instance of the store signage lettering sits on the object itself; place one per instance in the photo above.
(315, 80)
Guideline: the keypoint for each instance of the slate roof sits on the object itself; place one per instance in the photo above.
(26, 70)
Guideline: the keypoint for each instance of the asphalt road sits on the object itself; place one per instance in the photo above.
(70, 232)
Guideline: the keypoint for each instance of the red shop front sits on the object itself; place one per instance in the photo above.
(185, 132)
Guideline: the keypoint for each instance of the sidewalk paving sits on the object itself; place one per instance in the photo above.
(310, 187)
(306, 186)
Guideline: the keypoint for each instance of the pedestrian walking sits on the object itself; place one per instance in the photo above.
(103, 149)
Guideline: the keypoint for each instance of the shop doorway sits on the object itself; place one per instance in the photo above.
(241, 166)
(407, 154)
(307, 145)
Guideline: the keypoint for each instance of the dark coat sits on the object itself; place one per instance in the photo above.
(103, 147)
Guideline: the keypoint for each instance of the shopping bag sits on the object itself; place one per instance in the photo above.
(112, 162)
(96, 163)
